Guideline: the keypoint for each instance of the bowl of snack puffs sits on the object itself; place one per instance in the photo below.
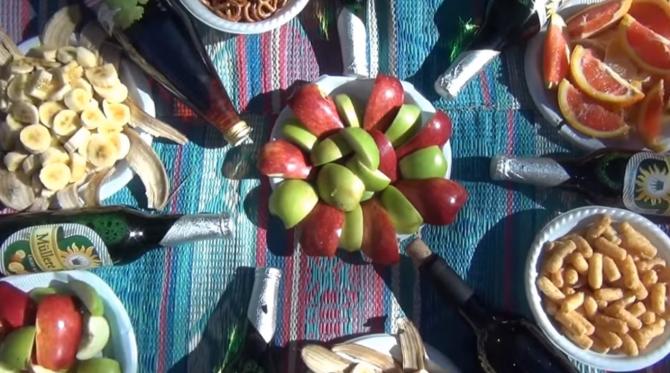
(597, 287)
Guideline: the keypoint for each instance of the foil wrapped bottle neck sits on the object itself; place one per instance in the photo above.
(544, 172)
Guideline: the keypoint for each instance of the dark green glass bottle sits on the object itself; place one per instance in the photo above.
(88, 238)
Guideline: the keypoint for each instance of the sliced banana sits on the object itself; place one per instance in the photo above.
(42, 52)
(117, 93)
(93, 103)
(21, 66)
(78, 140)
(77, 167)
(86, 58)
(9, 133)
(40, 84)
(13, 160)
(65, 123)
(119, 114)
(55, 176)
(54, 154)
(104, 76)
(24, 111)
(77, 99)
(30, 164)
(59, 92)
(15, 88)
(83, 84)
(35, 138)
(121, 143)
(48, 110)
(71, 72)
(66, 54)
(92, 117)
(101, 152)
(109, 128)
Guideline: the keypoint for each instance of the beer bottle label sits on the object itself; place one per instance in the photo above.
(647, 184)
(53, 247)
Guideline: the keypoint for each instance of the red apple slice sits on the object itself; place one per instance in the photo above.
(384, 102)
(436, 131)
(16, 307)
(388, 163)
(379, 235)
(59, 326)
(314, 110)
(283, 159)
(320, 231)
(437, 200)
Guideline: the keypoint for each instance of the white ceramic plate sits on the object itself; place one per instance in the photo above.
(359, 89)
(563, 225)
(122, 345)
(282, 16)
(137, 89)
(388, 344)
(545, 100)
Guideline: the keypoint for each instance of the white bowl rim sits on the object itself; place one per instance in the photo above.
(281, 17)
(572, 219)
(113, 305)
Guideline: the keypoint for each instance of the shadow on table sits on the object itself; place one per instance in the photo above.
(325, 42)
(216, 339)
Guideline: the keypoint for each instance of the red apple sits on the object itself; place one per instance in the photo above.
(314, 110)
(435, 132)
(437, 200)
(388, 163)
(59, 326)
(283, 159)
(384, 102)
(320, 231)
(16, 307)
(379, 236)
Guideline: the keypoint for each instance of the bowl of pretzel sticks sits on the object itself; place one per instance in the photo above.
(597, 286)
(244, 16)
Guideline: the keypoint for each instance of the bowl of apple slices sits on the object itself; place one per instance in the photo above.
(354, 163)
(53, 322)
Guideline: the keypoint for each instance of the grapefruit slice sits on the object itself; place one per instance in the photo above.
(587, 116)
(650, 115)
(654, 14)
(648, 49)
(601, 82)
(556, 56)
(617, 59)
(598, 44)
(596, 17)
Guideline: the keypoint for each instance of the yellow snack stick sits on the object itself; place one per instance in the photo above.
(579, 262)
(649, 278)
(637, 309)
(635, 242)
(648, 318)
(648, 264)
(598, 228)
(557, 255)
(608, 248)
(590, 306)
(583, 245)
(572, 302)
(629, 271)
(610, 269)
(570, 276)
(549, 289)
(595, 274)
(557, 278)
(629, 346)
(611, 340)
(657, 297)
(610, 323)
(608, 294)
(580, 340)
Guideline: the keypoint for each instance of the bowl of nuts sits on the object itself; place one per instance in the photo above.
(596, 284)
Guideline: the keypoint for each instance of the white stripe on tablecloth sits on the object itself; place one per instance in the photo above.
(293, 321)
(373, 39)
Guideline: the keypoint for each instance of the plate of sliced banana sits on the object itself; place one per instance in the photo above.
(76, 120)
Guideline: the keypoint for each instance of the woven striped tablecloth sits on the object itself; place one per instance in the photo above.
(181, 299)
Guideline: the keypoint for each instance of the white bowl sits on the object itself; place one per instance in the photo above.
(137, 89)
(282, 16)
(545, 100)
(122, 345)
(564, 224)
(359, 89)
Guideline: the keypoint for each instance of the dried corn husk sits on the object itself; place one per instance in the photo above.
(60, 27)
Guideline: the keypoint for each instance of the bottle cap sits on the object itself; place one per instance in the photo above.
(237, 133)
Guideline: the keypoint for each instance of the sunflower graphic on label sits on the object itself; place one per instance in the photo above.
(647, 184)
(52, 247)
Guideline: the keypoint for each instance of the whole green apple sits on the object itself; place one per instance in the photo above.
(292, 201)
(426, 163)
(406, 219)
(339, 187)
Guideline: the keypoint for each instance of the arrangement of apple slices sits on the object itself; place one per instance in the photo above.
(354, 184)
(52, 329)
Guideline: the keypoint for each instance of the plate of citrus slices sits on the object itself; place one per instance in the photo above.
(599, 72)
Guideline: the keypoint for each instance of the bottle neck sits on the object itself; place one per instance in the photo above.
(262, 311)
(545, 172)
(188, 228)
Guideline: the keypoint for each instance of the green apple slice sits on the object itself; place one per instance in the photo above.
(352, 230)
(88, 296)
(339, 187)
(363, 145)
(426, 163)
(17, 347)
(94, 337)
(298, 135)
(367, 195)
(374, 180)
(404, 216)
(37, 294)
(6, 369)
(99, 365)
(330, 149)
(347, 110)
(292, 201)
(405, 124)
